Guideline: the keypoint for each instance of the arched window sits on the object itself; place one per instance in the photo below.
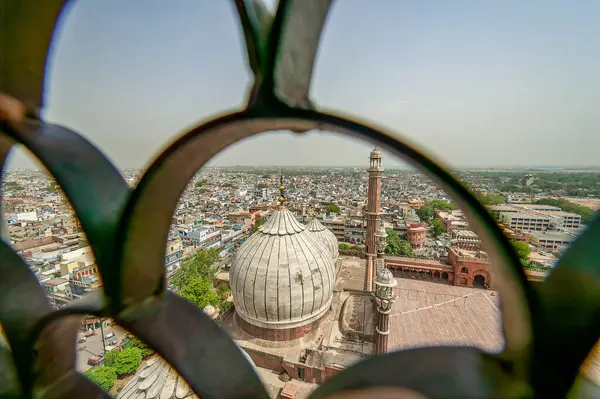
(464, 270)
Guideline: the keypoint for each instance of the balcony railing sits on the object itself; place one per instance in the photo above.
(549, 330)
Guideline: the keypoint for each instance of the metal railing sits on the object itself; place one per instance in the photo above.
(549, 330)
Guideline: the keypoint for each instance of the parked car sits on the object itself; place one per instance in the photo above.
(113, 341)
(81, 340)
(94, 360)
(109, 335)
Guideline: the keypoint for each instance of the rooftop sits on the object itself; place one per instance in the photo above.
(530, 215)
(432, 314)
(553, 235)
(502, 207)
(55, 281)
(465, 234)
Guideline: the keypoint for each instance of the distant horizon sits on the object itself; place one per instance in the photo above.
(393, 167)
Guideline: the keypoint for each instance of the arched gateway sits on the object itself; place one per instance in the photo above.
(481, 279)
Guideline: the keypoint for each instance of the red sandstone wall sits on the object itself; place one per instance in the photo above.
(474, 266)
(332, 371)
(277, 335)
(266, 360)
(311, 374)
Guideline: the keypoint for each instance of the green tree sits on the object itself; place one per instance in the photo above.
(224, 306)
(522, 249)
(587, 215)
(201, 190)
(333, 208)
(51, 188)
(200, 265)
(405, 249)
(199, 291)
(437, 228)
(424, 212)
(261, 185)
(259, 222)
(12, 185)
(110, 359)
(396, 246)
(440, 204)
(510, 188)
(343, 245)
(491, 199)
(228, 185)
(223, 291)
(134, 342)
(128, 361)
(200, 183)
(103, 376)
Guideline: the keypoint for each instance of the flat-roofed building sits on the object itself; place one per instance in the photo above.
(199, 237)
(559, 218)
(498, 211)
(566, 220)
(538, 207)
(242, 217)
(452, 219)
(529, 221)
(552, 239)
(337, 225)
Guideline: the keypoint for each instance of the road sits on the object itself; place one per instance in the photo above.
(227, 259)
(93, 345)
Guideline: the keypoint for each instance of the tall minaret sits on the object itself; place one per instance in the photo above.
(372, 216)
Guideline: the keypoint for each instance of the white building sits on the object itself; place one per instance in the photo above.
(535, 217)
(203, 237)
(552, 239)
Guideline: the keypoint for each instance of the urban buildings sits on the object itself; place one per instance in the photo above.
(300, 307)
(531, 217)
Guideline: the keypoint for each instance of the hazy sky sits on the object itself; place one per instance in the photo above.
(476, 82)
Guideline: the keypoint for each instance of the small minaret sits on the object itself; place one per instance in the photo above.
(373, 215)
(384, 294)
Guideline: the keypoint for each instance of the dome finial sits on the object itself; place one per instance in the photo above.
(281, 189)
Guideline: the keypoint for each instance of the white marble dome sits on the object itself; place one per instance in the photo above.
(324, 236)
(157, 379)
(282, 277)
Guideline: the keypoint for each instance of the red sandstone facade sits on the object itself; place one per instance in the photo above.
(297, 370)
(278, 335)
(415, 235)
(466, 271)
(373, 216)
(470, 271)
